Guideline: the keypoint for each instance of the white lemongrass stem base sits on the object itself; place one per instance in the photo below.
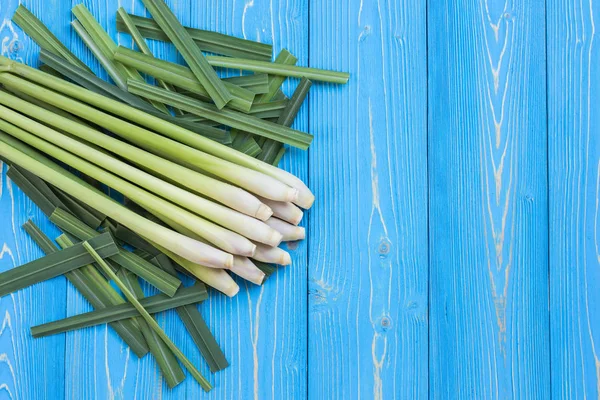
(177, 243)
(244, 268)
(273, 255)
(286, 211)
(288, 231)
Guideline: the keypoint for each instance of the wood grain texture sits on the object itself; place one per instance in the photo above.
(574, 187)
(368, 229)
(488, 200)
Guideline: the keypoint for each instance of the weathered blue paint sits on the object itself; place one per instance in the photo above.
(452, 250)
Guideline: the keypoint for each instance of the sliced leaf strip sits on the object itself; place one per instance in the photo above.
(212, 42)
(31, 191)
(54, 264)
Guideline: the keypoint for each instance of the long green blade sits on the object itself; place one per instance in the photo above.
(106, 46)
(155, 276)
(54, 265)
(153, 324)
(314, 74)
(135, 240)
(31, 191)
(183, 77)
(40, 34)
(212, 42)
(196, 326)
(227, 117)
(86, 285)
(258, 83)
(97, 85)
(78, 210)
(192, 55)
(275, 81)
(166, 360)
(271, 149)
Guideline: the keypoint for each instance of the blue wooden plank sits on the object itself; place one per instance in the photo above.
(263, 329)
(29, 369)
(368, 229)
(488, 200)
(574, 171)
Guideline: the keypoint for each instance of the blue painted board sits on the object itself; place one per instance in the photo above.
(488, 216)
(368, 268)
(574, 171)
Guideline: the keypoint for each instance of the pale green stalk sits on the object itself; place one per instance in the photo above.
(305, 196)
(285, 211)
(177, 243)
(229, 195)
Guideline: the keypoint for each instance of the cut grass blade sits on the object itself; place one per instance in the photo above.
(101, 42)
(147, 271)
(85, 284)
(166, 360)
(195, 325)
(54, 264)
(78, 210)
(227, 117)
(227, 194)
(275, 81)
(97, 85)
(183, 77)
(305, 197)
(267, 269)
(39, 33)
(270, 68)
(257, 83)
(143, 46)
(151, 322)
(153, 304)
(245, 143)
(212, 42)
(31, 191)
(192, 55)
(271, 148)
(136, 241)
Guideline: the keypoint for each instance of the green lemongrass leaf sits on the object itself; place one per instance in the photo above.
(57, 176)
(166, 360)
(54, 265)
(43, 241)
(151, 322)
(227, 117)
(42, 187)
(100, 294)
(257, 83)
(78, 210)
(147, 271)
(103, 43)
(40, 34)
(278, 157)
(270, 68)
(209, 41)
(195, 325)
(142, 45)
(153, 304)
(267, 269)
(305, 196)
(275, 81)
(183, 77)
(31, 191)
(51, 71)
(271, 149)
(192, 55)
(231, 196)
(97, 85)
(266, 111)
(245, 143)
(135, 240)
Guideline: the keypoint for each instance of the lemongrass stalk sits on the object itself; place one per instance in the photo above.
(274, 255)
(213, 277)
(148, 318)
(305, 196)
(185, 247)
(235, 221)
(224, 239)
(248, 179)
(285, 211)
(244, 268)
(290, 232)
(229, 195)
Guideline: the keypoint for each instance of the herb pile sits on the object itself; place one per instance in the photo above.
(195, 156)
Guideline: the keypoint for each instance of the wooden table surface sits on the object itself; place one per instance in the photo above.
(453, 248)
